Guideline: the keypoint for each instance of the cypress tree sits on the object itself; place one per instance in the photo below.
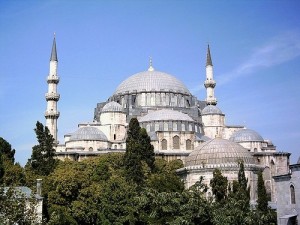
(147, 149)
(132, 157)
(262, 198)
(6, 150)
(138, 150)
(219, 185)
(42, 159)
(1, 169)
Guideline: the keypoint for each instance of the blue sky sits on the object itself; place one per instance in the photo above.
(255, 47)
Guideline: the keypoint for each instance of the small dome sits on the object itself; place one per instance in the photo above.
(246, 135)
(166, 115)
(88, 133)
(211, 109)
(219, 152)
(112, 107)
(151, 80)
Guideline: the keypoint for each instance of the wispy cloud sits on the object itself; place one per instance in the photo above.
(277, 50)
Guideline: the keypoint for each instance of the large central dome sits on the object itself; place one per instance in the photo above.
(151, 80)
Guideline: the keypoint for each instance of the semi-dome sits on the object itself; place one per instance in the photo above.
(112, 107)
(211, 109)
(151, 80)
(246, 135)
(88, 133)
(219, 152)
(165, 115)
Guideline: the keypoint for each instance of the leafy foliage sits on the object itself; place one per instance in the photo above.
(16, 208)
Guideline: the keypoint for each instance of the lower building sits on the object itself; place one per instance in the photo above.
(288, 201)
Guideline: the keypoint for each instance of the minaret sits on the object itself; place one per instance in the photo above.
(52, 96)
(209, 83)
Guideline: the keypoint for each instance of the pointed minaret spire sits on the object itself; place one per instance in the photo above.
(209, 83)
(151, 68)
(53, 52)
(208, 57)
(52, 96)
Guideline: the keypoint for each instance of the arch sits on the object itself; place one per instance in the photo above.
(188, 144)
(91, 149)
(293, 197)
(115, 136)
(115, 147)
(164, 144)
(176, 142)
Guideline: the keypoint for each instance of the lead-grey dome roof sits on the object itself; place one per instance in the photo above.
(211, 109)
(219, 152)
(151, 81)
(246, 135)
(112, 107)
(88, 133)
(166, 115)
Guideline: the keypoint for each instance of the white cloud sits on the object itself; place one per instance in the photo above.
(277, 50)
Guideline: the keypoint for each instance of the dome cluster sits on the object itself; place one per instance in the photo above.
(112, 107)
(151, 81)
(165, 115)
(219, 152)
(246, 135)
(211, 109)
(88, 133)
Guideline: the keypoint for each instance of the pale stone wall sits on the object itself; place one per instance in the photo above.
(193, 175)
(285, 206)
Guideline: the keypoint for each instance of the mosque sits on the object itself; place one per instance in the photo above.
(180, 127)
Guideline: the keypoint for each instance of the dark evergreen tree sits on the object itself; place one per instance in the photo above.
(243, 181)
(42, 160)
(219, 185)
(6, 150)
(147, 149)
(262, 198)
(1, 169)
(133, 156)
(138, 150)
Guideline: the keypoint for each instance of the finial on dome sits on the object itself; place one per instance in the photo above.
(150, 64)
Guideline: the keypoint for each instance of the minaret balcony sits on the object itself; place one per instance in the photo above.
(209, 83)
(211, 101)
(52, 114)
(52, 96)
(53, 79)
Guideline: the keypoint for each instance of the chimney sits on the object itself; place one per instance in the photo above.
(39, 187)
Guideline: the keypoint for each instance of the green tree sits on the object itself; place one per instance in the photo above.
(133, 155)
(219, 185)
(1, 169)
(147, 149)
(262, 197)
(42, 160)
(6, 150)
(16, 207)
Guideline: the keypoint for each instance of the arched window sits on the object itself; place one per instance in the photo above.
(174, 126)
(293, 198)
(183, 127)
(164, 144)
(166, 128)
(115, 146)
(90, 149)
(121, 146)
(188, 144)
(175, 142)
(115, 136)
